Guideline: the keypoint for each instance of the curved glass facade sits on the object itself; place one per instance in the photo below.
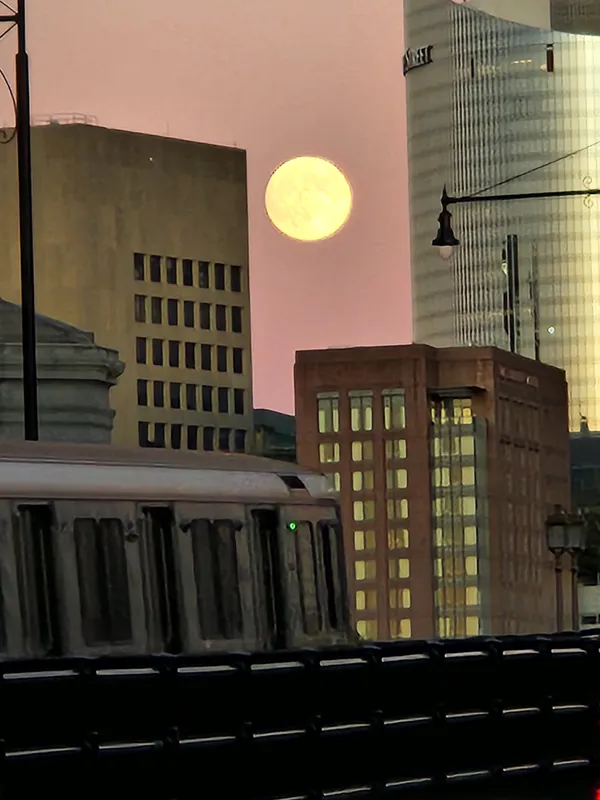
(495, 100)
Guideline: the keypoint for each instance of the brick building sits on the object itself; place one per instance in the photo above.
(447, 462)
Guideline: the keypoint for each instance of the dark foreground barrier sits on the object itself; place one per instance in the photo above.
(379, 720)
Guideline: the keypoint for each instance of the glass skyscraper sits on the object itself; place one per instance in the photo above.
(498, 89)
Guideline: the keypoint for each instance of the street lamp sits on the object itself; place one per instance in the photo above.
(445, 239)
(565, 533)
(23, 130)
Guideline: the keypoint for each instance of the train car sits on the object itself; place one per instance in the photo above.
(123, 552)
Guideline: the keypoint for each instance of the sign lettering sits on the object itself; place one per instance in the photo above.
(417, 58)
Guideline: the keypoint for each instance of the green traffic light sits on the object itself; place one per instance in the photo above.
(292, 526)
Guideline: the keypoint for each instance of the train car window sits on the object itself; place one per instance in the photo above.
(217, 581)
(103, 581)
(335, 575)
(160, 577)
(35, 559)
(266, 539)
(308, 571)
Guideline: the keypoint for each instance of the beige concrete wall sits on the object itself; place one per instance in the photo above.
(99, 196)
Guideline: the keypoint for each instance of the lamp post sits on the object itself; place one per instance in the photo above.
(23, 131)
(445, 240)
(565, 533)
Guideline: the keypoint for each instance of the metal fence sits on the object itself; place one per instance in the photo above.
(370, 721)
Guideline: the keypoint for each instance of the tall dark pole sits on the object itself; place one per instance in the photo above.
(30, 397)
(558, 577)
(574, 594)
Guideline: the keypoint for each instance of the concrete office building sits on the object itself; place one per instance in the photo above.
(144, 241)
(448, 462)
(496, 88)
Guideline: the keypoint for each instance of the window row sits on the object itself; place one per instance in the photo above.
(173, 435)
(398, 569)
(366, 599)
(453, 446)
(329, 452)
(189, 355)
(396, 508)
(397, 539)
(449, 627)
(456, 410)
(365, 481)
(205, 316)
(221, 399)
(456, 535)
(463, 506)
(399, 629)
(456, 567)
(393, 410)
(457, 596)
(187, 272)
(454, 476)
(141, 579)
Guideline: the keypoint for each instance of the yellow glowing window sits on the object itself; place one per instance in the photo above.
(334, 480)
(397, 478)
(472, 596)
(468, 476)
(394, 409)
(441, 476)
(362, 481)
(467, 445)
(471, 565)
(472, 626)
(399, 598)
(364, 570)
(400, 629)
(364, 540)
(328, 412)
(366, 601)
(329, 453)
(395, 449)
(399, 568)
(367, 628)
(363, 509)
(362, 451)
(397, 509)
(361, 411)
(468, 506)
(397, 538)
(470, 534)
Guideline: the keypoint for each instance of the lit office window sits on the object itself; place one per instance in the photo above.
(362, 451)
(365, 570)
(400, 629)
(399, 568)
(361, 410)
(328, 412)
(364, 540)
(362, 481)
(367, 628)
(399, 598)
(329, 453)
(394, 409)
(396, 478)
(363, 509)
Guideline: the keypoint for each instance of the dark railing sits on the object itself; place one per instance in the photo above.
(381, 719)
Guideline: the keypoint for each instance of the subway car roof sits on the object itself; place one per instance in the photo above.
(108, 455)
(106, 472)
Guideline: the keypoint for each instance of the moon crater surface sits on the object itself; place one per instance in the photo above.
(308, 199)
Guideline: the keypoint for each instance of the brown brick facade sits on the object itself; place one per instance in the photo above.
(445, 493)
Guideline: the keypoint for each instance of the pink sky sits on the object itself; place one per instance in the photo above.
(280, 79)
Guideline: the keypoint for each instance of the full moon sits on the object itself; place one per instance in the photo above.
(308, 199)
